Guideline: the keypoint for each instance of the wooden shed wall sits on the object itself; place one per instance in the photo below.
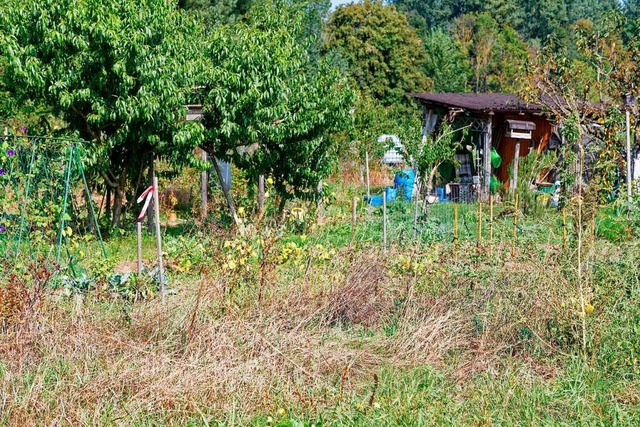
(506, 146)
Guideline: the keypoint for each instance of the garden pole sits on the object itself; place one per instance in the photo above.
(64, 203)
(516, 158)
(156, 208)
(564, 228)
(139, 232)
(366, 160)
(415, 213)
(455, 230)
(490, 224)
(628, 159)
(384, 221)
(354, 217)
(205, 187)
(479, 242)
(515, 227)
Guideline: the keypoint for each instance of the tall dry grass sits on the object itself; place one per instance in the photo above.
(316, 339)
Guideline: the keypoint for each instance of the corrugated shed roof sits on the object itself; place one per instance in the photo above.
(480, 102)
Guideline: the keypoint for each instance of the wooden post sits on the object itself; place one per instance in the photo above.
(486, 158)
(366, 161)
(319, 206)
(156, 208)
(205, 187)
(139, 229)
(629, 197)
(455, 230)
(354, 217)
(415, 213)
(516, 158)
(515, 227)
(564, 228)
(479, 241)
(384, 221)
(490, 224)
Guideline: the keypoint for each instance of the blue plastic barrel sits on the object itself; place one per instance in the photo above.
(404, 181)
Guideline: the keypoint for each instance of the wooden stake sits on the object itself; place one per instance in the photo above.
(384, 221)
(366, 160)
(515, 227)
(205, 186)
(415, 214)
(455, 230)
(156, 208)
(564, 228)
(479, 242)
(490, 224)
(516, 158)
(139, 227)
(354, 217)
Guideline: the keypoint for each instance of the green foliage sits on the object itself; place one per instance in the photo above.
(497, 55)
(445, 64)
(385, 55)
(268, 106)
(118, 72)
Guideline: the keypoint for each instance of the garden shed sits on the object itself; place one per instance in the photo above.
(499, 121)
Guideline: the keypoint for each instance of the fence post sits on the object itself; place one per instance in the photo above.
(384, 221)
(479, 241)
(156, 208)
(455, 230)
(139, 233)
(515, 227)
(415, 214)
(490, 224)
(564, 228)
(354, 217)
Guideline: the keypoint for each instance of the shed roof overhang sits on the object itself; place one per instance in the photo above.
(483, 103)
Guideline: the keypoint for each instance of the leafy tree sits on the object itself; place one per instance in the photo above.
(269, 107)
(436, 13)
(216, 12)
(497, 54)
(445, 64)
(385, 55)
(117, 71)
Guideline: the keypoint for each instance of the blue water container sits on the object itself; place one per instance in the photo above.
(442, 195)
(404, 181)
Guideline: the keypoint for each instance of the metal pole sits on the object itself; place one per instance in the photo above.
(455, 230)
(354, 217)
(490, 224)
(139, 229)
(156, 208)
(366, 160)
(384, 221)
(628, 159)
(205, 185)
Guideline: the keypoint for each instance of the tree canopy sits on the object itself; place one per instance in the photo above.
(269, 106)
(384, 53)
(118, 73)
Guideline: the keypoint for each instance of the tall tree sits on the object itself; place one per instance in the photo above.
(384, 53)
(437, 13)
(445, 63)
(117, 71)
(270, 107)
(497, 55)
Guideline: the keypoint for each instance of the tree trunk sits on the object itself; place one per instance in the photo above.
(227, 193)
(117, 201)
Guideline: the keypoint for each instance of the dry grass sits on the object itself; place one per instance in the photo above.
(88, 362)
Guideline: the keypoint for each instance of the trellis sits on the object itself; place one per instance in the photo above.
(46, 210)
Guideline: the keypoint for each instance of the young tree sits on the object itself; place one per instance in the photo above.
(268, 106)
(118, 72)
(384, 53)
